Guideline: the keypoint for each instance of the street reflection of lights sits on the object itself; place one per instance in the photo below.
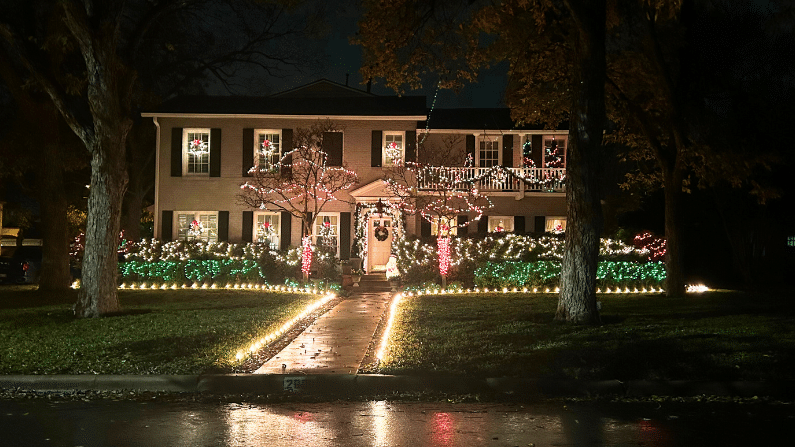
(385, 338)
(381, 420)
(443, 429)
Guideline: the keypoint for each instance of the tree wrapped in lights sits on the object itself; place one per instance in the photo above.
(301, 183)
(445, 193)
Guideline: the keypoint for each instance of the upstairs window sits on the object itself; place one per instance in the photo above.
(197, 225)
(267, 147)
(394, 149)
(554, 151)
(488, 152)
(196, 156)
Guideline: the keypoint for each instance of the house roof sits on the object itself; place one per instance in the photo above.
(321, 97)
(475, 119)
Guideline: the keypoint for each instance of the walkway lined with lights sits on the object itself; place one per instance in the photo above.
(335, 343)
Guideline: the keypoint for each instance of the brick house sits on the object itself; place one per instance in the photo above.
(204, 187)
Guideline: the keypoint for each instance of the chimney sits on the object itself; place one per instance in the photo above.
(369, 84)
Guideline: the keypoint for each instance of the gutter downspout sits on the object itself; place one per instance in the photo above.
(156, 229)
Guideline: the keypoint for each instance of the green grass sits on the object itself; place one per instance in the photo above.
(161, 332)
(713, 336)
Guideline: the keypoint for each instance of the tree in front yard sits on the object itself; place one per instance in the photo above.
(439, 194)
(85, 56)
(556, 52)
(306, 178)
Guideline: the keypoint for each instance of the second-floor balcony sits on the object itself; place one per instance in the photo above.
(493, 179)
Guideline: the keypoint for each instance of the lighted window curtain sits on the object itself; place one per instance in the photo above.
(505, 223)
(396, 138)
(555, 224)
(260, 235)
(450, 224)
(320, 223)
(198, 163)
(274, 138)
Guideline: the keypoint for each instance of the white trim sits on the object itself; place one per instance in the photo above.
(156, 228)
(277, 222)
(499, 132)
(269, 116)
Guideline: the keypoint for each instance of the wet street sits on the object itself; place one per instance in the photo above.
(39, 422)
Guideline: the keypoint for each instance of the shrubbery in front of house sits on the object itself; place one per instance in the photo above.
(200, 262)
(511, 260)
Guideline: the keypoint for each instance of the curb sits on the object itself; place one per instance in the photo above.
(347, 385)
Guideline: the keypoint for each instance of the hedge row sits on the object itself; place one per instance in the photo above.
(547, 274)
(191, 270)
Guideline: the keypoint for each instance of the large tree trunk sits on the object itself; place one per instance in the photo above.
(100, 262)
(577, 299)
(674, 271)
(52, 199)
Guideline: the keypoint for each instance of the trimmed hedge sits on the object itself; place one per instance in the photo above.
(547, 274)
(191, 270)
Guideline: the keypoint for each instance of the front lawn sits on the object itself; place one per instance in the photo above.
(161, 332)
(712, 336)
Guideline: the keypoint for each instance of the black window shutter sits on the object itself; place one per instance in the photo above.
(518, 224)
(345, 236)
(286, 228)
(167, 226)
(425, 228)
(483, 225)
(411, 145)
(507, 151)
(215, 152)
(540, 224)
(537, 145)
(471, 146)
(375, 149)
(248, 226)
(248, 150)
(332, 146)
(176, 152)
(287, 146)
(223, 226)
(463, 228)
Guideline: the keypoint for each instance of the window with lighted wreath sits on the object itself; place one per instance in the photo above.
(197, 225)
(266, 229)
(196, 151)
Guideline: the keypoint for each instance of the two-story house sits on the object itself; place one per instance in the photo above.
(200, 181)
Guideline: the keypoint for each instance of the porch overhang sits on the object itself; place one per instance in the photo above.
(371, 192)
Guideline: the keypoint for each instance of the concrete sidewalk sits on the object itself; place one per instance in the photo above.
(336, 342)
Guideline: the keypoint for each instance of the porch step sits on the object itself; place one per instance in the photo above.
(374, 282)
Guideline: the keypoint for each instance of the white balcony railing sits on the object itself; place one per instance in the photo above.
(494, 179)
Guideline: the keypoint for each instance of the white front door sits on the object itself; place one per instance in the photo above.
(379, 242)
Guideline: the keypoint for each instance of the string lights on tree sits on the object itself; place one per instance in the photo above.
(301, 183)
(439, 195)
